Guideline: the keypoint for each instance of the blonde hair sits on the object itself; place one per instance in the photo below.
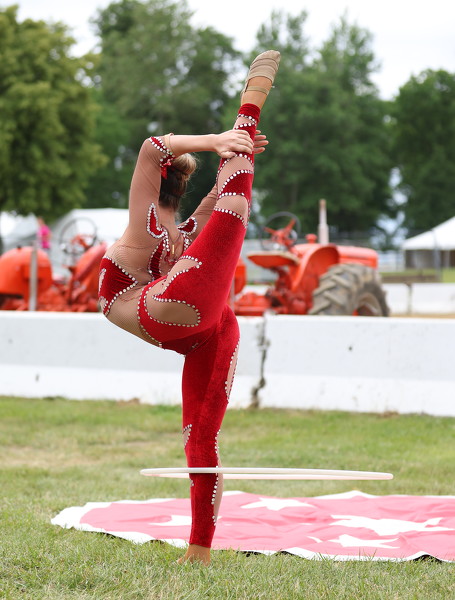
(174, 186)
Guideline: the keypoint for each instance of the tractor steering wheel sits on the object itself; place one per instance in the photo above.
(284, 233)
(77, 236)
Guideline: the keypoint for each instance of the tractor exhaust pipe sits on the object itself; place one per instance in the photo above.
(323, 229)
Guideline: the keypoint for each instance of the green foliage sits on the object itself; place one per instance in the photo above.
(70, 128)
(109, 185)
(46, 119)
(326, 126)
(423, 130)
(324, 121)
(160, 74)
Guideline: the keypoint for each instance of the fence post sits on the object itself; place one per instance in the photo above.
(33, 282)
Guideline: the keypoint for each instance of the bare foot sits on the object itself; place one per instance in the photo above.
(196, 553)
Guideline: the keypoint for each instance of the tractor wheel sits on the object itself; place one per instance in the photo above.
(350, 289)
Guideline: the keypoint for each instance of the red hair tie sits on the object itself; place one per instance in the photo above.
(164, 167)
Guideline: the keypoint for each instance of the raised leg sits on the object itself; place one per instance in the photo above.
(197, 287)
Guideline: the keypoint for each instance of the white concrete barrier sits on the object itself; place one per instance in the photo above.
(341, 363)
(421, 298)
(433, 298)
(361, 364)
(83, 356)
(399, 298)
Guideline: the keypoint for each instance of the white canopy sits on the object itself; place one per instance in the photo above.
(17, 230)
(441, 237)
(109, 223)
(106, 224)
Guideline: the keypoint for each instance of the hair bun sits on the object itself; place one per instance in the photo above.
(174, 186)
(185, 164)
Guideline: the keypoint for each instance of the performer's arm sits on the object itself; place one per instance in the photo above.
(203, 212)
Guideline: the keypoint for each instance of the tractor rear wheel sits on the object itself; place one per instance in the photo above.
(350, 289)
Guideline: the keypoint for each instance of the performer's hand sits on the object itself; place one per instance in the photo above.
(260, 142)
(235, 140)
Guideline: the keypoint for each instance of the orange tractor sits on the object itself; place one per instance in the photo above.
(315, 278)
(27, 281)
(311, 278)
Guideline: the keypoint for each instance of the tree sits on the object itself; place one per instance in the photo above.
(163, 75)
(46, 119)
(326, 128)
(108, 186)
(423, 130)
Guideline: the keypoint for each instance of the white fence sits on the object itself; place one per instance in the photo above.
(347, 363)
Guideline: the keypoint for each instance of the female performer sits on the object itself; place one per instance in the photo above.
(169, 284)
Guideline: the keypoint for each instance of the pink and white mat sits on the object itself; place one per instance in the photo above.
(348, 526)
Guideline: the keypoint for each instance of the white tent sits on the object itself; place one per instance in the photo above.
(433, 248)
(17, 230)
(100, 224)
(107, 223)
(441, 237)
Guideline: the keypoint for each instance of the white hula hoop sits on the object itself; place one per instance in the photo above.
(266, 473)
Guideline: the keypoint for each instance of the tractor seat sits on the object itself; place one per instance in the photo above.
(269, 260)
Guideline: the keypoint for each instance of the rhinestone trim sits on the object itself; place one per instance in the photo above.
(108, 306)
(100, 283)
(188, 227)
(175, 275)
(158, 231)
(239, 155)
(215, 487)
(153, 267)
(152, 340)
(217, 449)
(192, 258)
(102, 301)
(184, 430)
(170, 323)
(243, 125)
(159, 144)
(231, 212)
(249, 117)
(186, 242)
(233, 176)
(227, 384)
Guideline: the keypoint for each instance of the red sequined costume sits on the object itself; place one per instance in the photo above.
(183, 307)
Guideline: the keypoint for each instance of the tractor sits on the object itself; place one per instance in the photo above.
(27, 280)
(312, 278)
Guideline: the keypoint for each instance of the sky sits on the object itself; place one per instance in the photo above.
(408, 36)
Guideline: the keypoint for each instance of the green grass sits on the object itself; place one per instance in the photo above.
(447, 275)
(57, 453)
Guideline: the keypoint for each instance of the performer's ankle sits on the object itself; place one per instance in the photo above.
(255, 97)
(196, 554)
